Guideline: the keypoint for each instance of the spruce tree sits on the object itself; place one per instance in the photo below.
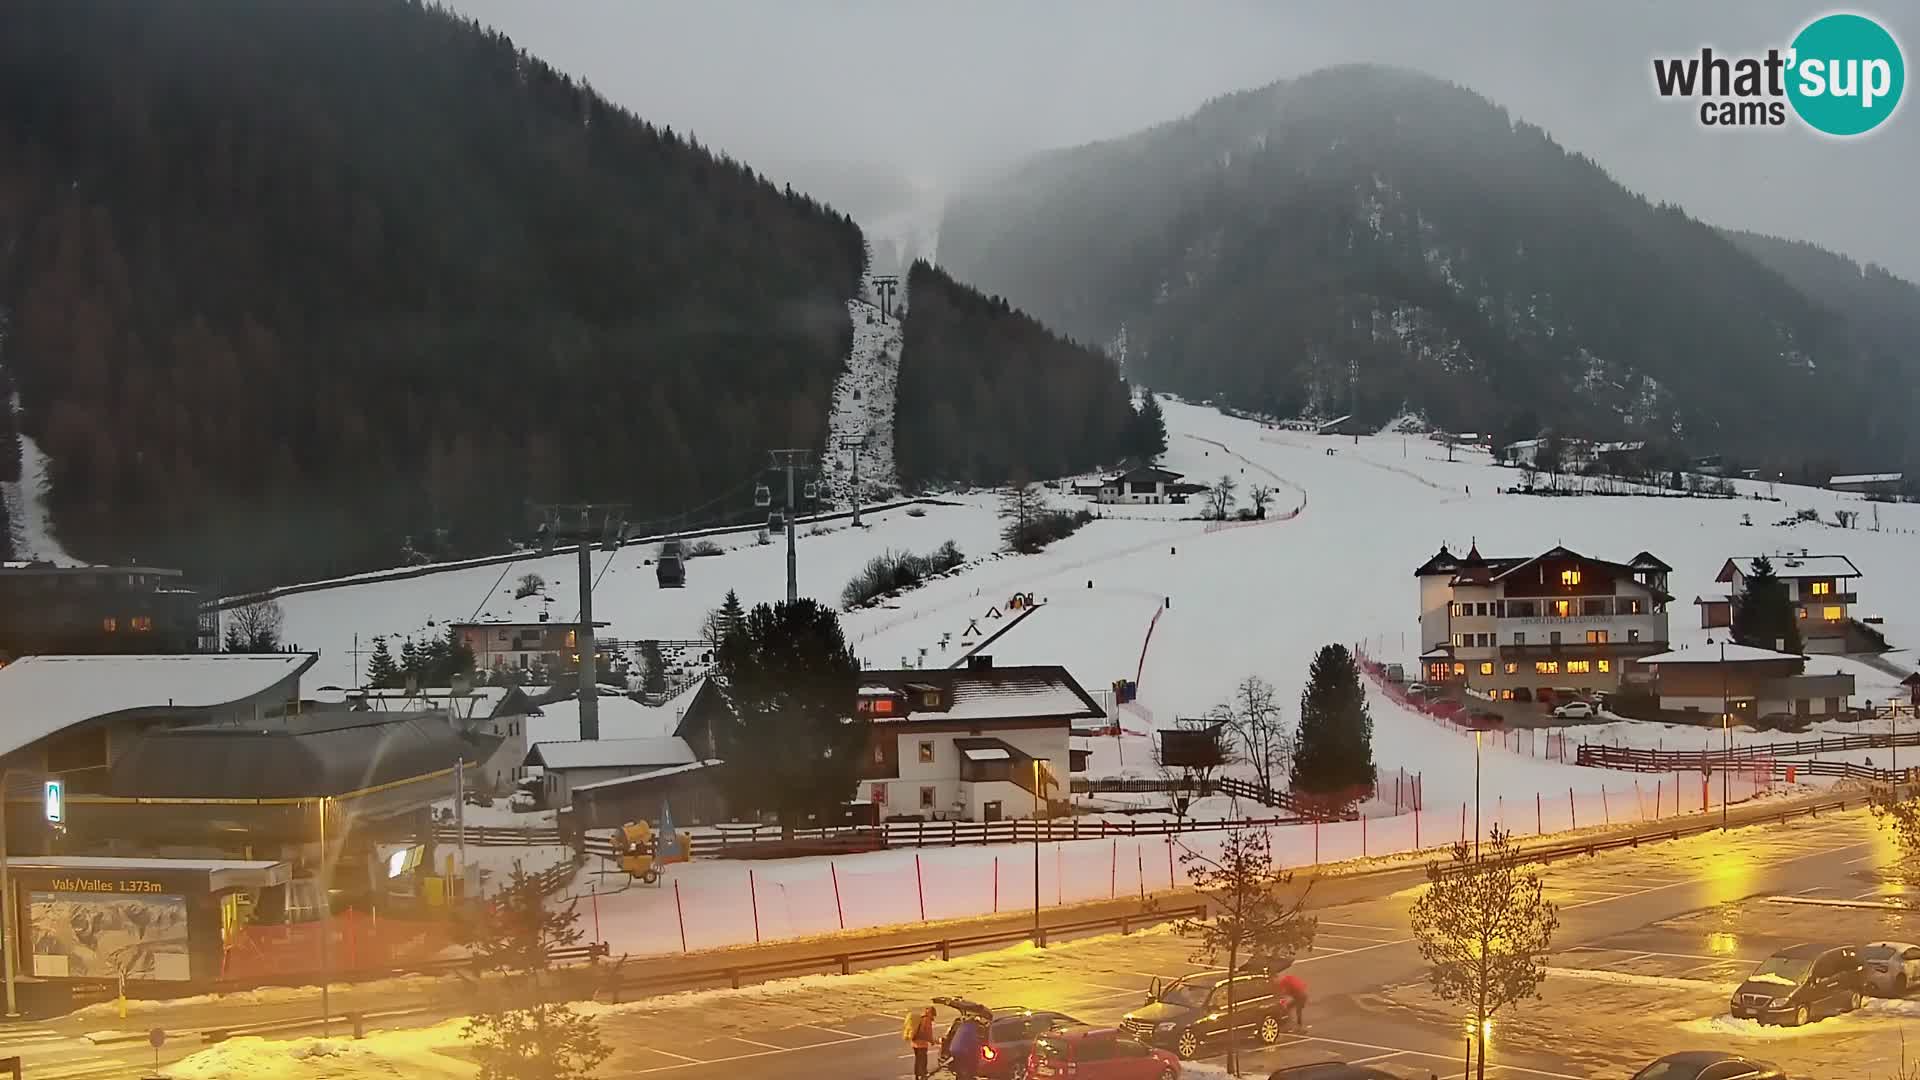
(1334, 752)
(410, 658)
(732, 615)
(382, 672)
(1149, 428)
(789, 736)
(1763, 614)
(653, 680)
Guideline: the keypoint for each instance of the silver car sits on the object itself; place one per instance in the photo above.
(1891, 967)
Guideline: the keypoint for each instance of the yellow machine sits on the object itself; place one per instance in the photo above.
(643, 852)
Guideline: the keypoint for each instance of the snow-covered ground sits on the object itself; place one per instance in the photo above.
(1333, 563)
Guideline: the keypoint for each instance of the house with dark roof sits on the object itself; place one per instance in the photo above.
(973, 743)
(1747, 683)
(1539, 627)
(1144, 484)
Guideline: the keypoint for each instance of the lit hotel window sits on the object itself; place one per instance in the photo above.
(1831, 614)
(1486, 669)
(141, 623)
(1546, 667)
(1569, 577)
(1604, 665)
(109, 624)
(1823, 588)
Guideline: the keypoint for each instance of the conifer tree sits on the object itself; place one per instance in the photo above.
(382, 672)
(1763, 614)
(1149, 428)
(1333, 754)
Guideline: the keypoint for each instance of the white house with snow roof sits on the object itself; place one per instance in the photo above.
(1822, 589)
(967, 743)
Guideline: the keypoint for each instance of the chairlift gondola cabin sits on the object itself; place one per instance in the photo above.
(810, 491)
(762, 495)
(670, 569)
(776, 522)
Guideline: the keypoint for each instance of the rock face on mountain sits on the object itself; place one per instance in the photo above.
(1365, 239)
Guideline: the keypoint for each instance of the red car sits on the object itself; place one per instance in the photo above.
(1086, 1053)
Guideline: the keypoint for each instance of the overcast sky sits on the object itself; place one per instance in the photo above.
(946, 91)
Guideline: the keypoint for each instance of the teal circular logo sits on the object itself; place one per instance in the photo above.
(1847, 74)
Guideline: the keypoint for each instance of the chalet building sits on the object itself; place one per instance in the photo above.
(1146, 484)
(1821, 587)
(501, 645)
(1539, 628)
(964, 743)
(92, 610)
(953, 743)
(1886, 483)
(1753, 683)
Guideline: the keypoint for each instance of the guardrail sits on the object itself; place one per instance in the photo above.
(1831, 745)
(1700, 824)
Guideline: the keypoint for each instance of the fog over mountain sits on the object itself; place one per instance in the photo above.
(831, 93)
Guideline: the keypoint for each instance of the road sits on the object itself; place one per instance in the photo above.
(1619, 908)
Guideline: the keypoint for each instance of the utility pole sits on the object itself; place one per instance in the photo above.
(854, 443)
(884, 286)
(603, 523)
(1726, 738)
(792, 461)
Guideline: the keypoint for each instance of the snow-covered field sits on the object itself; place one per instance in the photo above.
(1251, 599)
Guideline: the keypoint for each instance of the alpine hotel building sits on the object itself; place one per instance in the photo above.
(1528, 629)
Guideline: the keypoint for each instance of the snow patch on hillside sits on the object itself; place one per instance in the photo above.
(863, 403)
(26, 503)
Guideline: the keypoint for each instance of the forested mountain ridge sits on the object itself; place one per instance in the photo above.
(1362, 239)
(989, 396)
(291, 281)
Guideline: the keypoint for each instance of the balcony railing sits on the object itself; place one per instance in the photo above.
(1844, 598)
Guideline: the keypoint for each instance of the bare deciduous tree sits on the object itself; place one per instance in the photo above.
(1250, 918)
(1484, 926)
(1261, 496)
(254, 627)
(1253, 719)
(1220, 497)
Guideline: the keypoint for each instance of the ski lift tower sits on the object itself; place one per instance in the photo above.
(884, 285)
(791, 461)
(586, 524)
(854, 443)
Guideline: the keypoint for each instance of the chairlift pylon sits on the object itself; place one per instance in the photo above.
(762, 495)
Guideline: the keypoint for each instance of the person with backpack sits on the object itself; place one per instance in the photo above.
(918, 1032)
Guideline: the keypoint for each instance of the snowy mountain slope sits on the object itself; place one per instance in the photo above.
(863, 404)
(1255, 599)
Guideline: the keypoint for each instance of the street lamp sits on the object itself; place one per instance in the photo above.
(7, 951)
(1726, 738)
(1038, 941)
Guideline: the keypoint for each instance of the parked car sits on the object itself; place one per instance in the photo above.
(1573, 710)
(1009, 1039)
(1086, 1053)
(1416, 688)
(1805, 982)
(1891, 967)
(1188, 1014)
(1709, 1065)
(1330, 1070)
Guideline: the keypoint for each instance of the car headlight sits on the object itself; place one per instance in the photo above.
(1778, 1003)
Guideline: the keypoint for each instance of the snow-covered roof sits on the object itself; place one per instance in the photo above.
(991, 753)
(877, 691)
(611, 753)
(1867, 478)
(1028, 692)
(1794, 566)
(650, 774)
(1712, 654)
(40, 695)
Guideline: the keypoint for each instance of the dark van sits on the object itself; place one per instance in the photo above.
(1806, 982)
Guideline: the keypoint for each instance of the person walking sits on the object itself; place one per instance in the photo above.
(918, 1032)
(1296, 993)
(964, 1050)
